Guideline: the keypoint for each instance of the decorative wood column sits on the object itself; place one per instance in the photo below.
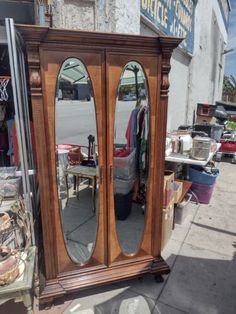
(168, 44)
(33, 41)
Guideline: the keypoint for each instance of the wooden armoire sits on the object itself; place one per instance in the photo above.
(104, 56)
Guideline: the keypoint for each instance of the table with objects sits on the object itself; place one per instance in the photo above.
(179, 158)
(21, 289)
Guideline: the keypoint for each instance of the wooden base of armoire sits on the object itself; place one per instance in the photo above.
(71, 282)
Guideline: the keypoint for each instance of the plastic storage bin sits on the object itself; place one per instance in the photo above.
(123, 205)
(9, 187)
(203, 192)
(123, 186)
(216, 132)
(125, 167)
(198, 175)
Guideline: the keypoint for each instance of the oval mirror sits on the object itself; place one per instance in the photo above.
(77, 158)
(130, 156)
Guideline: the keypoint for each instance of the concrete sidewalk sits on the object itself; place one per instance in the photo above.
(201, 254)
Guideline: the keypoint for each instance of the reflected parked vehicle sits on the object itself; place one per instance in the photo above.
(129, 97)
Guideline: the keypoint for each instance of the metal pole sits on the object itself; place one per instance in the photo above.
(19, 117)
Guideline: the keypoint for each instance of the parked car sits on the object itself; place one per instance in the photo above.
(129, 97)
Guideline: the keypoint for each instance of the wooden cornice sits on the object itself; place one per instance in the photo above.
(169, 43)
(40, 34)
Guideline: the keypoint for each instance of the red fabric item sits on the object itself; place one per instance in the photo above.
(122, 152)
(65, 146)
(228, 146)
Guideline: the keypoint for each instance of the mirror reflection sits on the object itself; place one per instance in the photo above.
(77, 159)
(131, 158)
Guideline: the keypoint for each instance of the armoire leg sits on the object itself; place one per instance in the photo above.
(140, 278)
(159, 278)
(46, 303)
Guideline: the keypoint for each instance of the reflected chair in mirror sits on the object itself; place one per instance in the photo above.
(76, 155)
(82, 156)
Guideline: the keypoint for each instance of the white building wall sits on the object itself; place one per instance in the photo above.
(194, 79)
(126, 16)
(178, 95)
(201, 89)
(119, 16)
(223, 40)
(74, 14)
(206, 68)
(179, 76)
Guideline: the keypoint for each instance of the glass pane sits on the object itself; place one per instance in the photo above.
(131, 158)
(77, 159)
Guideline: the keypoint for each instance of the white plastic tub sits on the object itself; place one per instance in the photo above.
(123, 186)
(125, 167)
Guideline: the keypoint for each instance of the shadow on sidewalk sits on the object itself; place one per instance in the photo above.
(202, 284)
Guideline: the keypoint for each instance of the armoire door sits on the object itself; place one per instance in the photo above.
(132, 100)
(74, 115)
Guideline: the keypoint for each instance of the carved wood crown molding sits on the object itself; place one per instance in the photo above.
(65, 37)
(168, 44)
(37, 35)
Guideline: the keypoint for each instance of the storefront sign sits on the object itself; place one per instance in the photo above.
(172, 17)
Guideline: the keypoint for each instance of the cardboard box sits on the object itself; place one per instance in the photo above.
(167, 224)
(169, 177)
(204, 119)
(177, 191)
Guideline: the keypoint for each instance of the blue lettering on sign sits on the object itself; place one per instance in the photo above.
(172, 17)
